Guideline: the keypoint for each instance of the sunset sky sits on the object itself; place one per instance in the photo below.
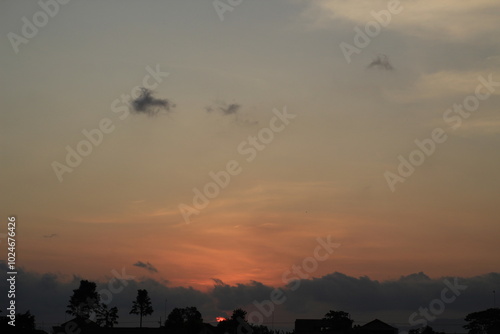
(230, 73)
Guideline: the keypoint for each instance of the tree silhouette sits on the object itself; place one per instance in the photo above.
(184, 320)
(238, 319)
(175, 318)
(84, 300)
(338, 321)
(142, 305)
(107, 317)
(484, 322)
(25, 322)
(239, 313)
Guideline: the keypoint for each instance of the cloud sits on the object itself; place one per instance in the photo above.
(486, 126)
(224, 108)
(313, 297)
(147, 104)
(456, 20)
(218, 281)
(53, 235)
(148, 266)
(381, 62)
(442, 84)
(46, 296)
(229, 297)
(231, 109)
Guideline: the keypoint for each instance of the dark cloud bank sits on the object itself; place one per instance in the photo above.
(46, 296)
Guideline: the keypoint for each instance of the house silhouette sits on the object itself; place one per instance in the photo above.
(376, 327)
(320, 326)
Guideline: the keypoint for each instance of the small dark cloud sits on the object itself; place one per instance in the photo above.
(381, 62)
(53, 235)
(224, 108)
(147, 104)
(148, 266)
(218, 281)
(230, 109)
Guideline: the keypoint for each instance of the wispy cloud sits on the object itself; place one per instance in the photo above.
(53, 235)
(231, 110)
(224, 108)
(148, 266)
(428, 86)
(381, 62)
(456, 20)
(218, 281)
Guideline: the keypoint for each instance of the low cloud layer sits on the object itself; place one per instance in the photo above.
(149, 105)
(148, 266)
(46, 296)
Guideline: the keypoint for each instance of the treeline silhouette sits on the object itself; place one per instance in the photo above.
(93, 316)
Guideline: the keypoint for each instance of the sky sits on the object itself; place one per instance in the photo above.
(209, 145)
